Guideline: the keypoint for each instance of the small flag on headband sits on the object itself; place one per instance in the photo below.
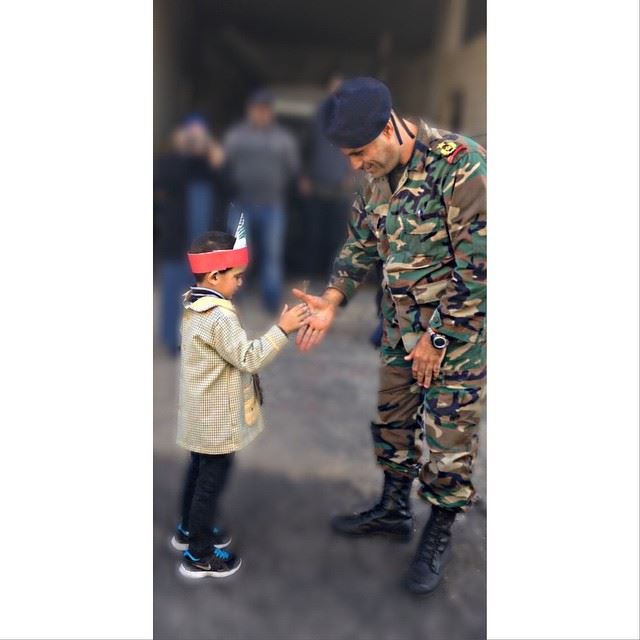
(223, 258)
(241, 234)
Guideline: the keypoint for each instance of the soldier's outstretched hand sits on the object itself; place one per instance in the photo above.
(322, 314)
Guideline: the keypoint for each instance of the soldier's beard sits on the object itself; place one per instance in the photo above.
(374, 169)
(379, 169)
(385, 160)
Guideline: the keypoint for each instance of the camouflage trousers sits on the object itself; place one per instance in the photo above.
(431, 433)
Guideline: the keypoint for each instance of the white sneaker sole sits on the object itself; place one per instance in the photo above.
(181, 546)
(178, 546)
(196, 575)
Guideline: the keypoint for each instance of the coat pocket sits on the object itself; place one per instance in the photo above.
(424, 236)
(251, 405)
(464, 364)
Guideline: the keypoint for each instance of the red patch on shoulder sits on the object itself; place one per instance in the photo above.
(460, 149)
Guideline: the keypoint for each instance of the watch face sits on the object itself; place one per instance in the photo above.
(439, 342)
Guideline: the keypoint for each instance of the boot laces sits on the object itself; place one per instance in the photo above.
(394, 495)
(437, 536)
(370, 512)
(390, 500)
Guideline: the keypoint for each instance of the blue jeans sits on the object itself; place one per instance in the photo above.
(200, 209)
(265, 234)
(206, 478)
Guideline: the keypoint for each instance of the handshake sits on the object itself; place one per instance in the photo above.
(312, 317)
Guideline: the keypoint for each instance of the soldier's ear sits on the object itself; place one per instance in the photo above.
(388, 132)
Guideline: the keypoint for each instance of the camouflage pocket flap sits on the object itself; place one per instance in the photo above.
(429, 292)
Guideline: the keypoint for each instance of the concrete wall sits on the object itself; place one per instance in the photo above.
(466, 74)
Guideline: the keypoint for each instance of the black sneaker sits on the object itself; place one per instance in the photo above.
(219, 564)
(180, 540)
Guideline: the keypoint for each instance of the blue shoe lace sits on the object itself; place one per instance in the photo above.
(218, 553)
(221, 553)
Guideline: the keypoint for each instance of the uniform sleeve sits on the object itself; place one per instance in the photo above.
(462, 309)
(231, 342)
(358, 254)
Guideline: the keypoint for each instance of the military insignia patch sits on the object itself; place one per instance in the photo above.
(446, 147)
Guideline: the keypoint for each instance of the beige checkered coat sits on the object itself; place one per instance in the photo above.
(218, 410)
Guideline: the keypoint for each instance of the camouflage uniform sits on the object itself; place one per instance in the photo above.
(431, 237)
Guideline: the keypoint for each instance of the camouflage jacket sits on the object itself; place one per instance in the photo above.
(431, 237)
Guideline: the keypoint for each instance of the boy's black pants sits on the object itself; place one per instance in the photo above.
(206, 478)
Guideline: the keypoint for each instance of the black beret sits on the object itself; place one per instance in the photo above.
(356, 113)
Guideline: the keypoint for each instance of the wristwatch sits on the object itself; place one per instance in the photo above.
(438, 340)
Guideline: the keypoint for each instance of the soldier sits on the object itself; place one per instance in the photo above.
(423, 213)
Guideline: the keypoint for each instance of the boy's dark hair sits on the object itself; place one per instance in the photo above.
(211, 241)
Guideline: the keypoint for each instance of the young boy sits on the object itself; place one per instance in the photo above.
(219, 403)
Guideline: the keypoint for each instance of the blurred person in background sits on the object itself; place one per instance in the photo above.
(188, 186)
(327, 183)
(262, 159)
(424, 213)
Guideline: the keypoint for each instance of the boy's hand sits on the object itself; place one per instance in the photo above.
(292, 319)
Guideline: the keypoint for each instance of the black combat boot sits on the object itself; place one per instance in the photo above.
(433, 552)
(390, 517)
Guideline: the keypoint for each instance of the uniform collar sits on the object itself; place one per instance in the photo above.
(424, 138)
(418, 160)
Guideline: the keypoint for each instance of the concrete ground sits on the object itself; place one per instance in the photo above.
(298, 581)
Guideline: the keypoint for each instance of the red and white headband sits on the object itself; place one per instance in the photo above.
(223, 258)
